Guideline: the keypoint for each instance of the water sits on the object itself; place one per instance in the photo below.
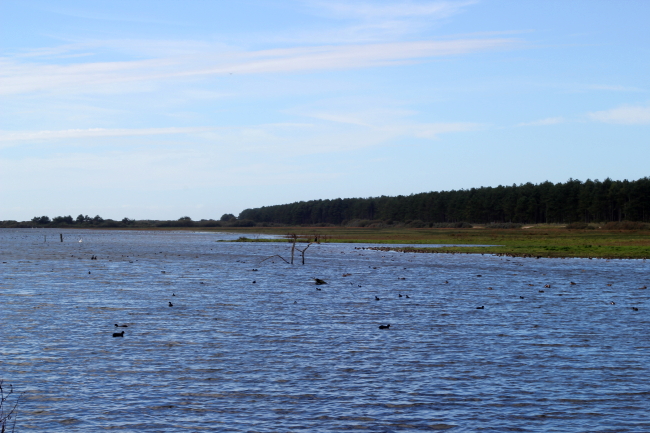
(278, 355)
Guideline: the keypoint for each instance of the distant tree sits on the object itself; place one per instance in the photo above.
(97, 219)
(63, 220)
(41, 220)
(185, 218)
(80, 219)
(127, 221)
(227, 217)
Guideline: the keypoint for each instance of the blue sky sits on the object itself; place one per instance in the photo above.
(161, 109)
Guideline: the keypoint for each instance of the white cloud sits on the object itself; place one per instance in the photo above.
(371, 11)
(625, 115)
(543, 122)
(19, 77)
(12, 136)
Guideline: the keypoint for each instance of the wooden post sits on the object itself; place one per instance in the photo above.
(61, 235)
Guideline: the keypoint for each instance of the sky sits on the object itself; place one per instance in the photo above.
(160, 109)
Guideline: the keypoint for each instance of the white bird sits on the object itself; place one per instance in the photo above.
(81, 240)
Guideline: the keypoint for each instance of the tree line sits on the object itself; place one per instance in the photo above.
(85, 221)
(547, 202)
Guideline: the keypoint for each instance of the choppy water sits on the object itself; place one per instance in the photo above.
(278, 355)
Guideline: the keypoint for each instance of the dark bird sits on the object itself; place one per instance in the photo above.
(482, 307)
(521, 297)
(118, 334)
(400, 295)
(408, 297)
(572, 283)
(548, 286)
(319, 281)
(612, 303)
(121, 326)
(254, 281)
(171, 305)
(446, 282)
(635, 309)
(384, 326)
(376, 298)
(317, 288)
(541, 291)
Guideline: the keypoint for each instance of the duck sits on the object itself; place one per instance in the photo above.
(408, 297)
(171, 305)
(118, 334)
(121, 326)
(400, 295)
(482, 307)
(384, 326)
(376, 298)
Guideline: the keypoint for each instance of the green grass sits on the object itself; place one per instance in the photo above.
(539, 241)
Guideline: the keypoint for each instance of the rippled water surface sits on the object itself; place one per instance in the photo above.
(250, 347)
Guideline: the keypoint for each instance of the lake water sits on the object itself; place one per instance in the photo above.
(246, 350)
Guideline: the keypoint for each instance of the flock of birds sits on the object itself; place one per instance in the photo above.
(319, 282)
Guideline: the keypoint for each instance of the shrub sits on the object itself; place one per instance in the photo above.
(503, 226)
(625, 225)
(577, 226)
(417, 224)
(243, 223)
(458, 225)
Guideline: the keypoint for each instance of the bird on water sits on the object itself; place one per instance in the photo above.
(121, 326)
(118, 334)
(171, 305)
(482, 307)
(384, 326)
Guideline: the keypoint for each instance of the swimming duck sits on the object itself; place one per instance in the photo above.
(384, 326)
(121, 326)
(482, 307)
(171, 305)
(118, 334)
(376, 298)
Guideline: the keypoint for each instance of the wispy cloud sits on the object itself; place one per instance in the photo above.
(19, 77)
(377, 21)
(392, 10)
(614, 88)
(543, 122)
(625, 115)
(18, 136)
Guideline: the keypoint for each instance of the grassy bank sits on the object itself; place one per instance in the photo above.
(539, 241)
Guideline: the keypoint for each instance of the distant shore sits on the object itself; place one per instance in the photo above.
(537, 241)
(534, 242)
